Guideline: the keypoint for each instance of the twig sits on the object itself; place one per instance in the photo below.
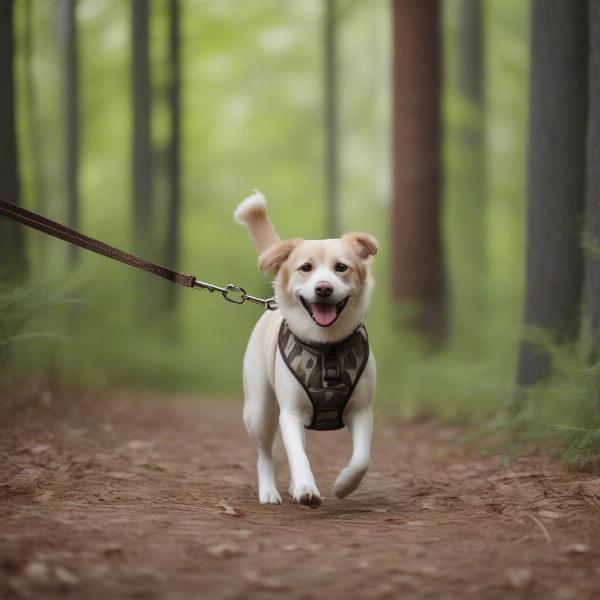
(541, 526)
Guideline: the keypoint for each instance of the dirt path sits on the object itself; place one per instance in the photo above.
(125, 497)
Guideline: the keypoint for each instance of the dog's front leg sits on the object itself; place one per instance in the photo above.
(360, 424)
(303, 488)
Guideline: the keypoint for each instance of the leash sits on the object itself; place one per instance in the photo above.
(232, 293)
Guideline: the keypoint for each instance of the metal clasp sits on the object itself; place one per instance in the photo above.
(236, 289)
(236, 294)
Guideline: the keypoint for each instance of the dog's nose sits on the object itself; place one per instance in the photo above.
(323, 289)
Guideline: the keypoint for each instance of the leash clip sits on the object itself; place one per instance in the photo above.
(236, 294)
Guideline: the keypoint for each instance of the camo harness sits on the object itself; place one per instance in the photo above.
(327, 372)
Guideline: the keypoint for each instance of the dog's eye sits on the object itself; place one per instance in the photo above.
(341, 267)
(306, 267)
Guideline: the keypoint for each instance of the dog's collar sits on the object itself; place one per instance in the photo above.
(327, 372)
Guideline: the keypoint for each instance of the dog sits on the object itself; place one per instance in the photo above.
(323, 289)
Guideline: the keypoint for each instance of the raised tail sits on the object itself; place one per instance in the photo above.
(252, 213)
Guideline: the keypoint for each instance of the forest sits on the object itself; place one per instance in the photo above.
(463, 134)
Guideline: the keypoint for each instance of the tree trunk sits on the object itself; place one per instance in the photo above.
(469, 182)
(470, 49)
(332, 224)
(71, 91)
(13, 262)
(173, 152)
(556, 178)
(34, 129)
(143, 206)
(418, 274)
(593, 182)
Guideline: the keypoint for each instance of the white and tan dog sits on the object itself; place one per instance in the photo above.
(323, 288)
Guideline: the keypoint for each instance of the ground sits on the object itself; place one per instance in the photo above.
(134, 496)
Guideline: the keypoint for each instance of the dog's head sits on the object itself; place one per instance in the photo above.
(323, 287)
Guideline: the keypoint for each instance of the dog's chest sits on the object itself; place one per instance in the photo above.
(328, 373)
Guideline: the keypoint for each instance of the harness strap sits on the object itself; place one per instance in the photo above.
(57, 230)
(328, 373)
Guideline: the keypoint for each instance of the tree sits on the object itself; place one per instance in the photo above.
(418, 272)
(13, 263)
(556, 178)
(468, 171)
(593, 182)
(36, 141)
(471, 51)
(71, 96)
(143, 205)
(332, 225)
(173, 151)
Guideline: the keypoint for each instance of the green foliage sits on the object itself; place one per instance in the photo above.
(563, 411)
(22, 314)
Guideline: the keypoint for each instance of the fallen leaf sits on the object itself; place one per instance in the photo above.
(25, 481)
(136, 445)
(65, 577)
(577, 549)
(244, 533)
(223, 550)
(549, 514)
(37, 571)
(264, 581)
(150, 464)
(39, 448)
(44, 496)
(228, 509)
(519, 577)
(122, 475)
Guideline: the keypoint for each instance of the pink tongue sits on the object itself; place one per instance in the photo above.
(324, 314)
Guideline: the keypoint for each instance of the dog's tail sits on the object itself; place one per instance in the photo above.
(252, 213)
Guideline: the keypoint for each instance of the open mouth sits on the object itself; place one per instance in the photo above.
(324, 314)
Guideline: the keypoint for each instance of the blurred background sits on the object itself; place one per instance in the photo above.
(144, 124)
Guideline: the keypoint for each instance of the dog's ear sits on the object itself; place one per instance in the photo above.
(274, 256)
(364, 244)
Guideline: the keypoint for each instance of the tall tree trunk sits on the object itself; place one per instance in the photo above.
(34, 129)
(173, 152)
(418, 273)
(71, 91)
(332, 224)
(556, 177)
(471, 51)
(593, 181)
(13, 262)
(143, 205)
(469, 172)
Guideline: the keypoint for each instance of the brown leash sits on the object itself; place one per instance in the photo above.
(231, 293)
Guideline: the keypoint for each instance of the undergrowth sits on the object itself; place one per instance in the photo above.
(25, 313)
(563, 411)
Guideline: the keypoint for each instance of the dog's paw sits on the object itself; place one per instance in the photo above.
(348, 480)
(269, 497)
(306, 494)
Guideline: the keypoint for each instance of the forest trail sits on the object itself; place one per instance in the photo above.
(133, 496)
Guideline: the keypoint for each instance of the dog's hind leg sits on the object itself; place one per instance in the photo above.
(261, 420)
(360, 424)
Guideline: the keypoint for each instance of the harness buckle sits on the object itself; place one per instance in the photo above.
(332, 371)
